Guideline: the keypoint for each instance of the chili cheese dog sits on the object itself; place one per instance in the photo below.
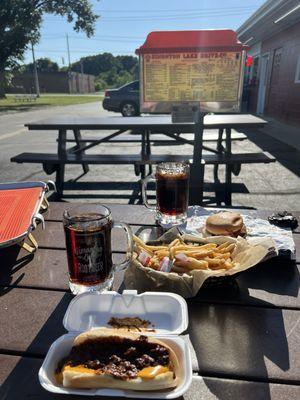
(122, 360)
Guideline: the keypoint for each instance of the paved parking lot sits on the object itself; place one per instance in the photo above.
(272, 186)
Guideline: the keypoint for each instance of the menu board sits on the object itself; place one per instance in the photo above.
(198, 76)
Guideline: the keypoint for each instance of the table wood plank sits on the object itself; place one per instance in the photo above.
(45, 269)
(53, 236)
(33, 319)
(249, 342)
(158, 123)
(246, 342)
(133, 214)
(129, 213)
(274, 282)
(19, 379)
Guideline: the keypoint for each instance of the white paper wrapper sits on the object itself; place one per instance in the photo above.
(246, 255)
(257, 229)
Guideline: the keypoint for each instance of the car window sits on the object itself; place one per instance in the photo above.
(135, 86)
(132, 86)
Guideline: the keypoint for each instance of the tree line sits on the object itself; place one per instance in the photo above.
(20, 23)
(109, 70)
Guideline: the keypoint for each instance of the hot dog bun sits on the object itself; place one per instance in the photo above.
(86, 380)
(79, 376)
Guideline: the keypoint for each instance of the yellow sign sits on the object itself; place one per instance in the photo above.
(201, 76)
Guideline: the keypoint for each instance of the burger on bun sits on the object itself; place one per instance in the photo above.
(225, 223)
(108, 358)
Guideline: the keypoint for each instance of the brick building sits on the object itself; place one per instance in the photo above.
(273, 79)
(53, 82)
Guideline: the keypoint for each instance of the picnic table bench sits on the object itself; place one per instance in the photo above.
(25, 97)
(147, 126)
(245, 334)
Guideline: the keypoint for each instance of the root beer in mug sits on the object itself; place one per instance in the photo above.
(88, 242)
(172, 192)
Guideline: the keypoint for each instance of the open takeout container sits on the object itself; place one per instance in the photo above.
(166, 311)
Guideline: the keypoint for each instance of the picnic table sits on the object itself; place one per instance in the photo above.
(147, 126)
(245, 334)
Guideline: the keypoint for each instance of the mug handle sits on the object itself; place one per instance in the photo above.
(149, 178)
(128, 231)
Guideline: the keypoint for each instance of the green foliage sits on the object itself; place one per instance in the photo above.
(43, 65)
(104, 62)
(111, 79)
(110, 71)
(20, 22)
(94, 65)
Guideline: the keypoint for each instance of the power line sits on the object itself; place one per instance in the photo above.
(99, 40)
(182, 15)
(165, 18)
(186, 14)
(169, 18)
(86, 52)
(178, 9)
(57, 36)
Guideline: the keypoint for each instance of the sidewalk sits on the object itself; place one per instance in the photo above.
(273, 186)
(285, 133)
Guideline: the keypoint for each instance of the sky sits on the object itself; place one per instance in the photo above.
(124, 25)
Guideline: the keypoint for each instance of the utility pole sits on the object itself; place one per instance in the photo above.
(68, 49)
(35, 72)
(81, 71)
(69, 62)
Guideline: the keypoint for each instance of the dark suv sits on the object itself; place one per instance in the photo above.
(125, 100)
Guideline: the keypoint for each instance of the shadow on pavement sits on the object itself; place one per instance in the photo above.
(286, 155)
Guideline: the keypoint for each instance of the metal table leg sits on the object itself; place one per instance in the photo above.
(197, 168)
(228, 181)
(219, 149)
(78, 138)
(62, 154)
(143, 152)
(148, 148)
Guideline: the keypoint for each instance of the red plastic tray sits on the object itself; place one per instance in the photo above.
(19, 206)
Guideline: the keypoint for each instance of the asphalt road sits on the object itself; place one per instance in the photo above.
(270, 186)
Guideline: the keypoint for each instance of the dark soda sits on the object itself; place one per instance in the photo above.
(89, 249)
(172, 192)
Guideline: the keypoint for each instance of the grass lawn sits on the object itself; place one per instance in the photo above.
(11, 104)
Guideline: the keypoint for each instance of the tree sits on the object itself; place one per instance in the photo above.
(43, 65)
(20, 22)
(105, 62)
(94, 65)
(109, 70)
(127, 62)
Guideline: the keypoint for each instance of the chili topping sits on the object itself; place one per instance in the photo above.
(119, 357)
(130, 323)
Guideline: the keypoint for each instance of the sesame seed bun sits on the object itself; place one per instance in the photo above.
(225, 223)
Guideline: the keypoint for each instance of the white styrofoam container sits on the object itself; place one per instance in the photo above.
(168, 313)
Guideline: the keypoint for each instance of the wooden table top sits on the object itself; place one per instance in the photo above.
(234, 121)
(245, 335)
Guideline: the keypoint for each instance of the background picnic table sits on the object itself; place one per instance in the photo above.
(245, 334)
(146, 127)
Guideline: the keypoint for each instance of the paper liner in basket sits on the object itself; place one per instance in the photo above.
(245, 256)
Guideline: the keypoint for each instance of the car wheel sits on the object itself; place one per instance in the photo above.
(129, 109)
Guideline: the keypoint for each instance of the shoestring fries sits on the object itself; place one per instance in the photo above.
(184, 257)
